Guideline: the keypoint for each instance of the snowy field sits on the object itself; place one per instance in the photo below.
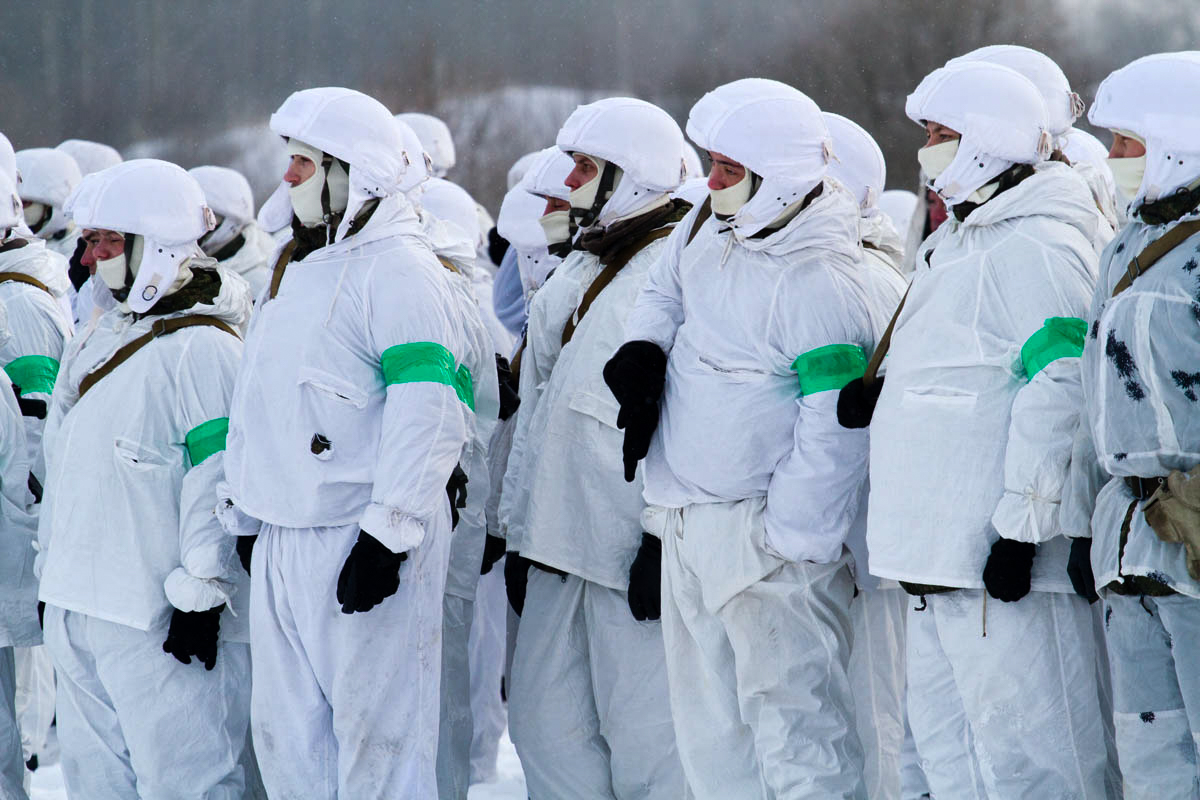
(509, 783)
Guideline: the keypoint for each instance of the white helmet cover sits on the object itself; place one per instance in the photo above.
(156, 200)
(450, 203)
(546, 175)
(354, 128)
(420, 167)
(639, 138)
(520, 167)
(10, 204)
(693, 167)
(90, 156)
(1157, 98)
(229, 196)
(999, 113)
(899, 205)
(48, 176)
(857, 161)
(772, 129)
(8, 159)
(435, 139)
(1063, 106)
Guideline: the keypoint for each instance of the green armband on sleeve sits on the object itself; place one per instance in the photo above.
(206, 438)
(829, 368)
(33, 373)
(426, 362)
(1060, 337)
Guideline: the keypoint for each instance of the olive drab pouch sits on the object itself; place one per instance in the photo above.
(1173, 512)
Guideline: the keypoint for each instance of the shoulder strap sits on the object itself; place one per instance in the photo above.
(606, 277)
(19, 277)
(1154, 251)
(701, 217)
(161, 327)
(884, 343)
(280, 267)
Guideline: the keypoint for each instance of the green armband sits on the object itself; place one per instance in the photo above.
(206, 438)
(426, 362)
(829, 368)
(33, 373)
(1060, 337)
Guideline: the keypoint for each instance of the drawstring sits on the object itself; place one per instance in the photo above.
(337, 290)
(924, 604)
(1145, 607)
(728, 247)
(985, 594)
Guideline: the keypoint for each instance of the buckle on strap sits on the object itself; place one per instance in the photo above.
(1143, 488)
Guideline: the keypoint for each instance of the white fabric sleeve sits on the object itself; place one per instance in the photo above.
(658, 311)
(203, 380)
(1085, 479)
(424, 422)
(1041, 434)
(816, 490)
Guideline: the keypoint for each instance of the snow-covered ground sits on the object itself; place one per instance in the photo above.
(509, 783)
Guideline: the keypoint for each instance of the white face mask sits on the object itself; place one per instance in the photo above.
(557, 225)
(306, 198)
(585, 196)
(936, 158)
(36, 214)
(728, 201)
(1128, 174)
(112, 270)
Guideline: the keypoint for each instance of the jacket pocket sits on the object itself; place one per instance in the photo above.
(946, 397)
(332, 387)
(131, 455)
(602, 409)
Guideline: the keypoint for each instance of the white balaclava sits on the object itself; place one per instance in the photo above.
(1001, 118)
(1154, 100)
(306, 198)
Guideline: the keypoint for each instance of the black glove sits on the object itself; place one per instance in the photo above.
(456, 490)
(1006, 574)
(1079, 568)
(509, 397)
(497, 246)
(856, 403)
(245, 549)
(636, 375)
(29, 406)
(371, 574)
(76, 271)
(194, 633)
(645, 580)
(516, 579)
(493, 551)
(41, 615)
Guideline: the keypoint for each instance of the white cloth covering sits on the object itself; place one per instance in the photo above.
(759, 687)
(487, 656)
(962, 439)
(589, 709)
(345, 705)
(127, 531)
(734, 422)
(1153, 645)
(1013, 715)
(181, 740)
(455, 726)
(316, 350)
(253, 259)
(877, 682)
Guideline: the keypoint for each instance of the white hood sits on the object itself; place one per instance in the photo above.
(38, 261)
(639, 138)
(227, 192)
(899, 205)
(1063, 106)
(520, 167)
(154, 199)
(90, 156)
(857, 162)
(8, 160)
(11, 215)
(999, 113)
(47, 176)
(435, 139)
(1157, 98)
(450, 203)
(355, 128)
(776, 132)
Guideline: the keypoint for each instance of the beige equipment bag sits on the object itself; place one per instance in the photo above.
(1173, 511)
